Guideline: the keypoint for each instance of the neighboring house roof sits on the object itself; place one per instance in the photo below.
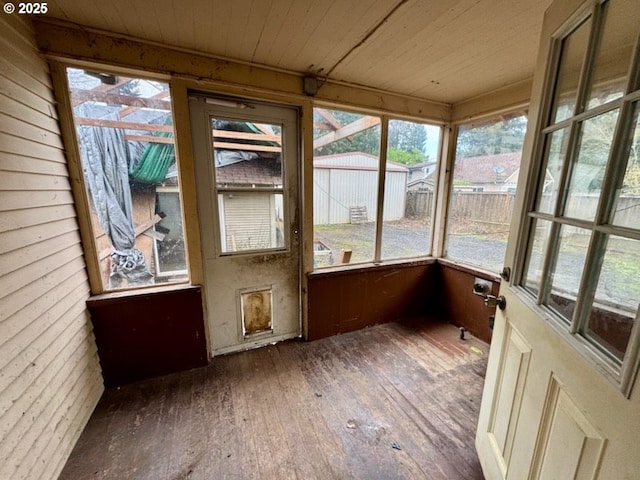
(421, 166)
(420, 183)
(258, 171)
(494, 169)
(354, 161)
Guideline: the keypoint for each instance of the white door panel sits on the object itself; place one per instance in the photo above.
(560, 398)
(248, 210)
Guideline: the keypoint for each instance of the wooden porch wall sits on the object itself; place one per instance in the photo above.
(150, 333)
(50, 379)
(462, 307)
(348, 300)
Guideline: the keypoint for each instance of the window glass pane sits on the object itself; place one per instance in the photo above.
(571, 59)
(409, 189)
(247, 154)
(170, 250)
(485, 177)
(555, 156)
(588, 172)
(250, 221)
(535, 259)
(617, 297)
(125, 131)
(609, 78)
(627, 207)
(345, 186)
(567, 271)
(249, 180)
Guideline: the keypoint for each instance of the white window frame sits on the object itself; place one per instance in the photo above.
(621, 374)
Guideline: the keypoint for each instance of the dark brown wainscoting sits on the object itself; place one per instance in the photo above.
(146, 333)
(461, 306)
(350, 299)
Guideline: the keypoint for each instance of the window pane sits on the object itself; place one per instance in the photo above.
(567, 271)
(249, 181)
(485, 177)
(617, 297)
(250, 221)
(536, 252)
(125, 131)
(170, 251)
(588, 172)
(609, 78)
(555, 156)
(247, 154)
(409, 188)
(627, 208)
(345, 186)
(571, 59)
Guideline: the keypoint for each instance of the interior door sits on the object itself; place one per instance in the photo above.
(559, 399)
(246, 162)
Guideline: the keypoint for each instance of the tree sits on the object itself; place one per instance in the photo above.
(403, 156)
(502, 136)
(408, 136)
(407, 140)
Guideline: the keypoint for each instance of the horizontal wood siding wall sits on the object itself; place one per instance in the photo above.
(50, 379)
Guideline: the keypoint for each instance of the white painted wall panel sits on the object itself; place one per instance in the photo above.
(50, 378)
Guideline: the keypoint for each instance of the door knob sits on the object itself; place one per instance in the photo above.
(492, 301)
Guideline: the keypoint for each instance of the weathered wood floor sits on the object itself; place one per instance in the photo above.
(389, 402)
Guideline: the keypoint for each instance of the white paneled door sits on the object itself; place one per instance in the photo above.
(560, 398)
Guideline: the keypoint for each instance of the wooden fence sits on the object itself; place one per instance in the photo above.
(497, 207)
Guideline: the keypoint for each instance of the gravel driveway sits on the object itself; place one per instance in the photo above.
(619, 283)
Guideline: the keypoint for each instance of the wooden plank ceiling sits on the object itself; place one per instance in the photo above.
(447, 51)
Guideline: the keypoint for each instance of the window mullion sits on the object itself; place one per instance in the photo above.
(550, 258)
(589, 282)
(597, 244)
(382, 172)
(597, 20)
(554, 235)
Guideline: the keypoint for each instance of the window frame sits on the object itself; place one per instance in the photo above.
(381, 181)
(81, 197)
(449, 190)
(621, 373)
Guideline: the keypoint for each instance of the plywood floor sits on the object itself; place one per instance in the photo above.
(396, 401)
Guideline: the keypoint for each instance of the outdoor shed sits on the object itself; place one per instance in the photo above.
(346, 187)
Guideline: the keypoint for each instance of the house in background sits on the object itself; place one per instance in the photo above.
(487, 173)
(561, 392)
(421, 176)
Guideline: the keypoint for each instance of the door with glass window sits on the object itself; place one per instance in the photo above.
(561, 398)
(246, 162)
